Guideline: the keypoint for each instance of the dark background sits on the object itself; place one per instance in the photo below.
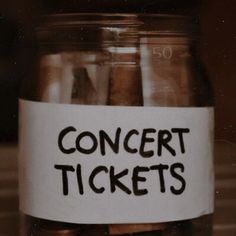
(218, 48)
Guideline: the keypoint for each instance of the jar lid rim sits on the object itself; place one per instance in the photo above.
(77, 19)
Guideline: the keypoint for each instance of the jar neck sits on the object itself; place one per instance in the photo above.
(88, 31)
(94, 32)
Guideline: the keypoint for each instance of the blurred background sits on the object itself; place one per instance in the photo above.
(218, 51)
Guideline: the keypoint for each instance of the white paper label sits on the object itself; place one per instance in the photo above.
(107, 164)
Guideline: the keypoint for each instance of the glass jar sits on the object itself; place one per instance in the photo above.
(102, 61)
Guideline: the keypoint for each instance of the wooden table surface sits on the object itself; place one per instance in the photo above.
(224, 217)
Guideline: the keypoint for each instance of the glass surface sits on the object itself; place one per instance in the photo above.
(118, 60)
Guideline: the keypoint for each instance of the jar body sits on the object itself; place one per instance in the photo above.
(147, 70)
